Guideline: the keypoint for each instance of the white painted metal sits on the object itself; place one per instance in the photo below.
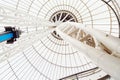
(111, 42)
(30, 39)
(27, 14)
(18, 18)
(108, 63)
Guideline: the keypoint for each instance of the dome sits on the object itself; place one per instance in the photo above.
(40, 53)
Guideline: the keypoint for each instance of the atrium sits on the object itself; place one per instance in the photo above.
(60, 40)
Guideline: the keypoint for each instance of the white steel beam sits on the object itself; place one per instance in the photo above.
(14, 17)
(100, 57)
(29, 40)
(108, 63)
(111, 42)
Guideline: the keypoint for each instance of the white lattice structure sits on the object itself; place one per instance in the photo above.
(41, 53)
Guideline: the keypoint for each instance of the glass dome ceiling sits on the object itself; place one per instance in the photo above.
(40, 53)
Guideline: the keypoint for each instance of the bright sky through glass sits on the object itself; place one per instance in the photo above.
(47, 58)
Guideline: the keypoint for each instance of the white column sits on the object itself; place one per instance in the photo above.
(108, 63)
